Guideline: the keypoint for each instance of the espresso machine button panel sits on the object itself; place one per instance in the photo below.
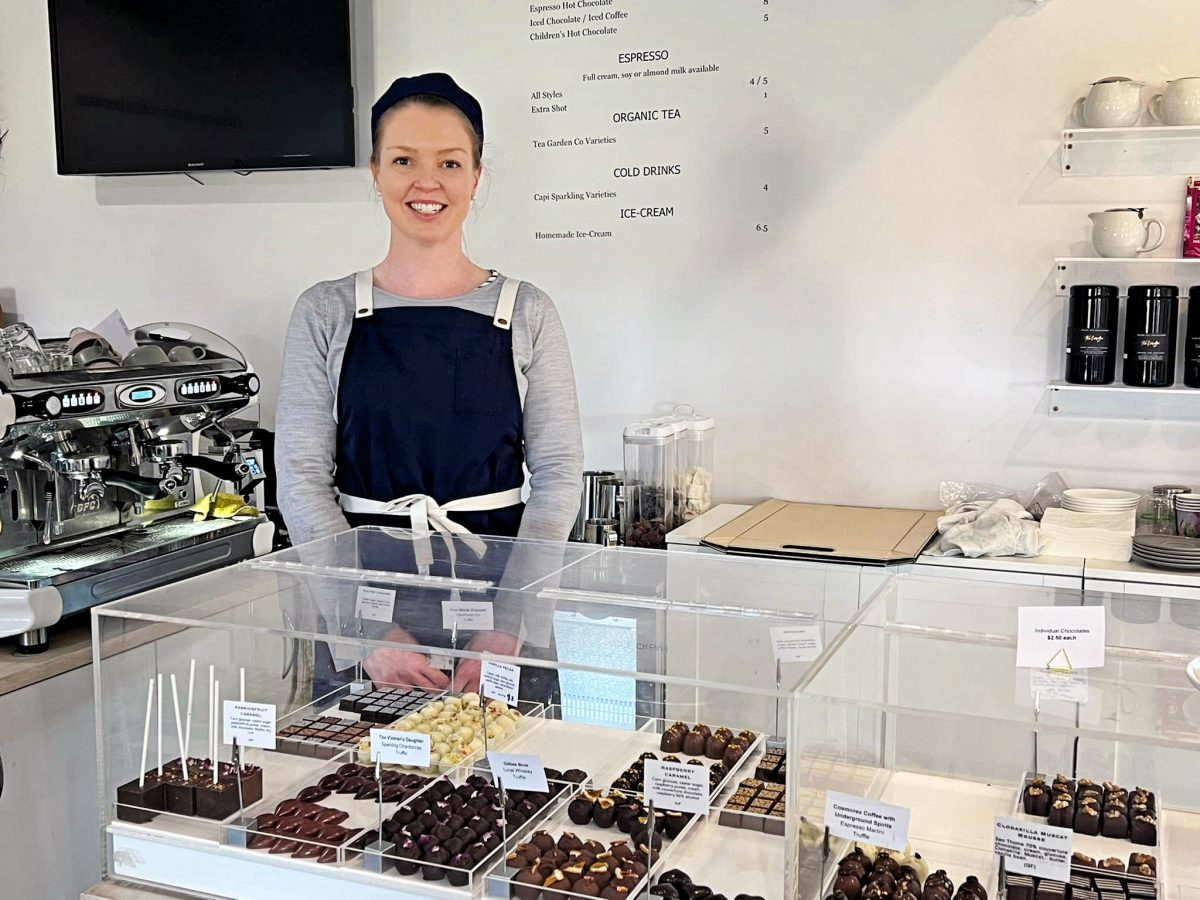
(198, 388)
(51, 405)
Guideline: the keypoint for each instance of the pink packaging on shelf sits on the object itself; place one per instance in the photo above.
(1191, 219)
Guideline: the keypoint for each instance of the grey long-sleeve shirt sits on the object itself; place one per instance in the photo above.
(306, 427)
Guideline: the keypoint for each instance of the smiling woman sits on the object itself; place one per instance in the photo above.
(417, 392)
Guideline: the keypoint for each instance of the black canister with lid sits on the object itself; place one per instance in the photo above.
(1092, 334)
(1151, 327)
(1191, 344)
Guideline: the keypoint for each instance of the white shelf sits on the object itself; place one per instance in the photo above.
(1119, 401)
(1149, 150)
(1183, 273)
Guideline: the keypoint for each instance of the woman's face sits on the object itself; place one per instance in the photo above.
(426, 172)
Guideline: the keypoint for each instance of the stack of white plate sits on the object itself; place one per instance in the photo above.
(1100, 500)
(1167, 551)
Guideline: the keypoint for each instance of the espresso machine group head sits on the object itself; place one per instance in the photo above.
(99, 459)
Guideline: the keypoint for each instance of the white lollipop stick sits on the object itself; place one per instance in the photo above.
(242, 679)
(159, 700)
(179, 727)
(187, 731)
(214, 724)
(146, 732)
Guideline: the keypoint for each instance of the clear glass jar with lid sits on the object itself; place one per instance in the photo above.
(694, 464)
(649, 483)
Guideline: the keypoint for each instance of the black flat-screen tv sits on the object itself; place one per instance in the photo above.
(148, 86)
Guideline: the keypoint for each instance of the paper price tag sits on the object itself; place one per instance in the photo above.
(471, 615)
(860, 819)
(519, 772)
(1068, 687)
(499, 681)
(1063, 638)
(677, 786)
(1030, 849)
(375, 604)
(796, 643)
(252, 724)
(443, 662)
(1059, 695)
(402, 748)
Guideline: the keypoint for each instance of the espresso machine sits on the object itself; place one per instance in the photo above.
(102, 445)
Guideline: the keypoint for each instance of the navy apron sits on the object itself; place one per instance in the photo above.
(430, 435)
(429, 420)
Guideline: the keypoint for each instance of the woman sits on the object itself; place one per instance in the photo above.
(417, 391)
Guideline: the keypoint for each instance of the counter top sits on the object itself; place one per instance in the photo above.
(691, 534)
(1045, 565)
(114, 890)
(70, 648)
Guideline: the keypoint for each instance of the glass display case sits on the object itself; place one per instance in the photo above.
(378, 629)
(920, 704)
(913, 701)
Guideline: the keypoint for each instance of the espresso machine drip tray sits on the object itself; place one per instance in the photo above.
(38, 590)
(103, 554)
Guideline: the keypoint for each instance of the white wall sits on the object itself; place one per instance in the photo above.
(912, 327)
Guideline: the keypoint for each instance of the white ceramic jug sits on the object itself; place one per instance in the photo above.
(1123, 233)
(1179, 104)
(1111, 103)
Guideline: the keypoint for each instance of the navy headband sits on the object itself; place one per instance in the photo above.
(438, 84)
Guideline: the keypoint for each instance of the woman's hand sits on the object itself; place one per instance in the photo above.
(404, 667)
(501, 643)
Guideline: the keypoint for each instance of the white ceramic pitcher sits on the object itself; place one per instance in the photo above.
(1123, 233)
(1111, 103)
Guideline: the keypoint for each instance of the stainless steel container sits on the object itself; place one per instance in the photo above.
(588, 502)
(600, 531)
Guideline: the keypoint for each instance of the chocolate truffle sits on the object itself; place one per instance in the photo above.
(528, 885)
(587, 886)
(580, 810)
(1062, 813)
(848, 885)
(884, 862)
(1144, 830)
(604, 812)
(1037, 801)
(1087, 821)
(672, 741)
(734, 753)
(664, 890)
(694, 744)
(973, 887)
(1115, 824)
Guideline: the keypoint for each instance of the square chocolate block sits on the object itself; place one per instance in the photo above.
(753, 822)
(730, 817)
(1144, 830)
(216, 801)
(1050, 890)
(140, 803)
(180, 796)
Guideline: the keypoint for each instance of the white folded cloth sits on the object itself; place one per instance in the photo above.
(1090, 535)
(988, 528)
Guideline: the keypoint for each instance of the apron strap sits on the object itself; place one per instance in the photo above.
(506, 304)
(364, 294)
